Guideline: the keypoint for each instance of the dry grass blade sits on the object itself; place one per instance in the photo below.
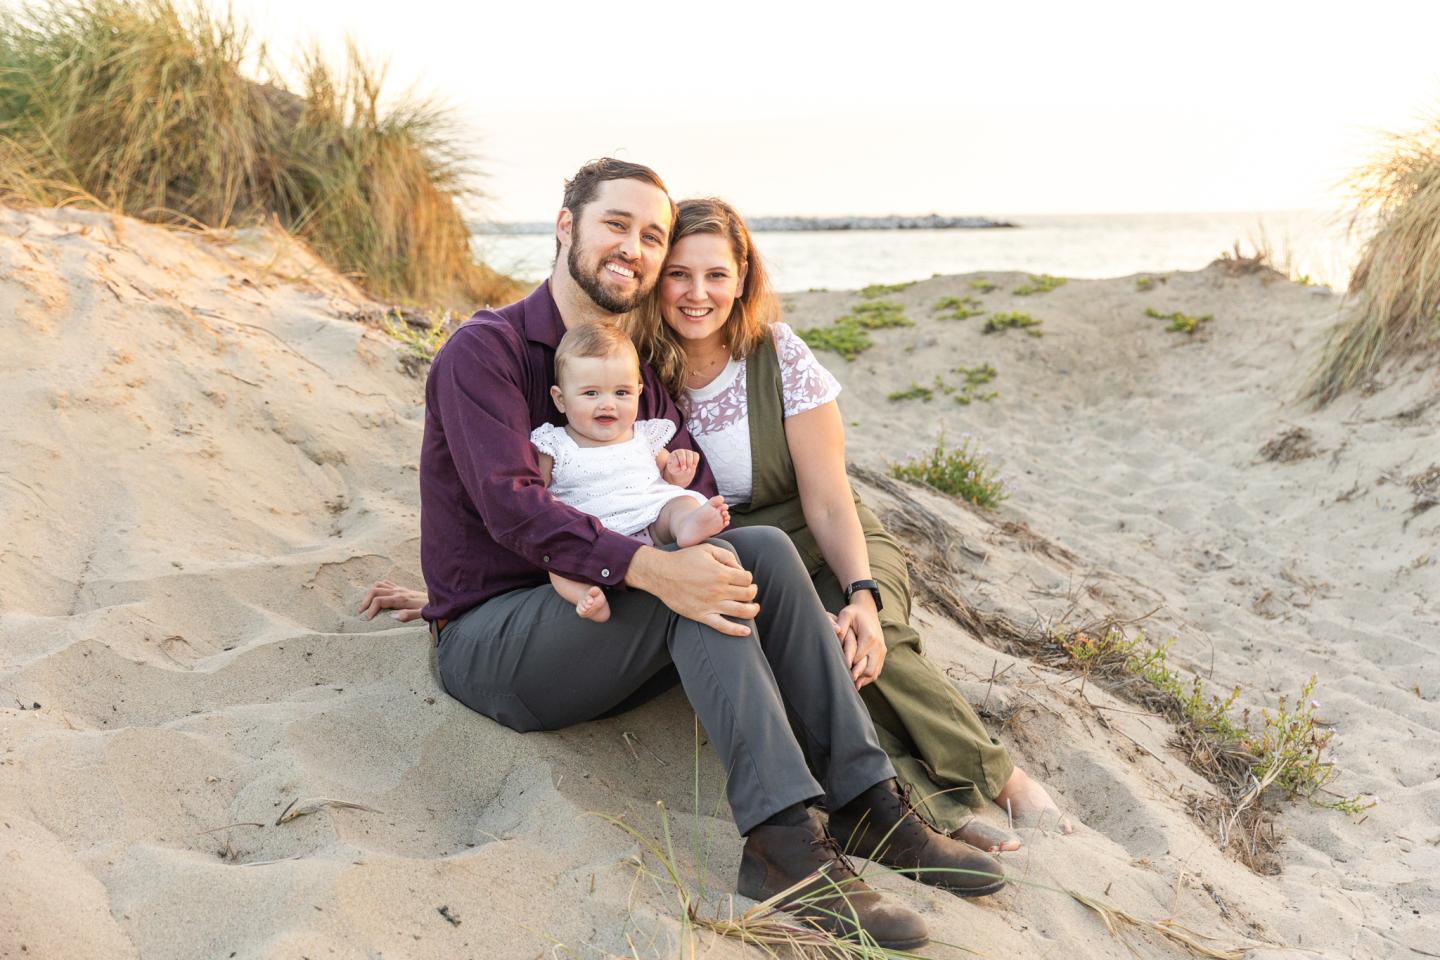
(764, 925)
(1197, 944)
(1394, 298)
(297, 808)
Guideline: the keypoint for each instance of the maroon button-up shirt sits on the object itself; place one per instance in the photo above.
(487, 522)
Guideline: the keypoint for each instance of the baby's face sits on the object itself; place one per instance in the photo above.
(600, 396)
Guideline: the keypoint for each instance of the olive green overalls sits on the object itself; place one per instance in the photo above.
(936, 742)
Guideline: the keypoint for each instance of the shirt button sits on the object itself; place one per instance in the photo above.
(605, 572)
(546, 558)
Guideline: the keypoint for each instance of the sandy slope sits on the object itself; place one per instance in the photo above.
(205, 458)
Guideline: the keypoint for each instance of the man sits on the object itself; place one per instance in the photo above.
(737, 616)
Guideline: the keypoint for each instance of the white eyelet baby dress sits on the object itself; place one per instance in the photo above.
(617, 484)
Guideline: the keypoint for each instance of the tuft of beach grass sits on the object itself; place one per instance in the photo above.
(148, 108)
(1393, 303)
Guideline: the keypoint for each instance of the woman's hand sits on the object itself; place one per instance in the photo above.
(384, 595)
(861, 639)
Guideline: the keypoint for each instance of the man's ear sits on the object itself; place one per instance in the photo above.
(559, 398)
(564, 227)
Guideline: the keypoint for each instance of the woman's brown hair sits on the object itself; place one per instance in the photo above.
(750, 318)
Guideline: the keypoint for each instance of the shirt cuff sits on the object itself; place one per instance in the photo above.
(610, 560)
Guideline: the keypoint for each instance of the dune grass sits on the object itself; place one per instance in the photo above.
(962, 471)
(1180, 322)
(1012, 320)
(174, 115)
(1044, 283)
(958, 308)
(1394, 295)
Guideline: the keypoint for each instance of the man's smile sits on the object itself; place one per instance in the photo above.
(619, 269)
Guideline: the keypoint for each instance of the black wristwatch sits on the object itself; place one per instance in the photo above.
(870, 585)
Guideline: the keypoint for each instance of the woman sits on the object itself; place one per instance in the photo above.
(763, 411)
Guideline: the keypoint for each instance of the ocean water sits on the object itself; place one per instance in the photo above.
(1304, 243)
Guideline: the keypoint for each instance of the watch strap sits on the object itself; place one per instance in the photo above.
(870, 585)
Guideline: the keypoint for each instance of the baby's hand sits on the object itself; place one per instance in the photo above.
(679, 466)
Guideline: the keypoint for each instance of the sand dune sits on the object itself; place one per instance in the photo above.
(206, 458)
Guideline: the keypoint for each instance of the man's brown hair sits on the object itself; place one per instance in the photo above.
(581, 188)
(597, 339)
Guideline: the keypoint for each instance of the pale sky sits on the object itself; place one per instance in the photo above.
(840, 108)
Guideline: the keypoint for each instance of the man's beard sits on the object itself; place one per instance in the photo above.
(606, 300)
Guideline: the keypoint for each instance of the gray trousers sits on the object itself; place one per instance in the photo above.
(525, 659)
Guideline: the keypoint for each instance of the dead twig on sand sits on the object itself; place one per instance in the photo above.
(227, 826)
(296, 809)
(1197, 944)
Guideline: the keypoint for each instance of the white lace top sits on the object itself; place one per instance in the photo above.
(718, 413)
(617, 484)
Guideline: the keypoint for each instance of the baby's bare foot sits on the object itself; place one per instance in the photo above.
(1028, 803)
(594, 605)
(702, 523)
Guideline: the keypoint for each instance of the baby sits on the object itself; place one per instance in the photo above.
(604, 463)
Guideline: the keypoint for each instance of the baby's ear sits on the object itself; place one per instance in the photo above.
(559, 398)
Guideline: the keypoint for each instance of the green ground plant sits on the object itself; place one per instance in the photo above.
(958, 308)
(1044, 283)
(147, 108)
(1285, 748)
(874, 290)
(975, 378)
(1144, 283)
(421, 337)
(844, 337)
(1282, 751)
(982, 285)
(966, 393)
(847, 336)
(1393, 303)
(913, 392)
(962, 471)
(1013, 320)
(878, 314)
(1179, 322)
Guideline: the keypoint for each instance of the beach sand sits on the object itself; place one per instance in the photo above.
(207, 459)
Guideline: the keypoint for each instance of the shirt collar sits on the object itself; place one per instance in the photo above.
(542, 317)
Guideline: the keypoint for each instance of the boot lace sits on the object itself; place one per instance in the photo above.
(836, 853)
(907, 800)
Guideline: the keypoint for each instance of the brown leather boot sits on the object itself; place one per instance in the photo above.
(881, 825)
(837, 901)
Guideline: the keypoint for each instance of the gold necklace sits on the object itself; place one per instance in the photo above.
(706, 371)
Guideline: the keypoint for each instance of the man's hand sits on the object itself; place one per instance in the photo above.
(704, 583)
(678, 466)
(384, 595)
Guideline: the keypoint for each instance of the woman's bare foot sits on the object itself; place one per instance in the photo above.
(1028, 803)
(594, 606)
(978, 833)
(702, 523)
